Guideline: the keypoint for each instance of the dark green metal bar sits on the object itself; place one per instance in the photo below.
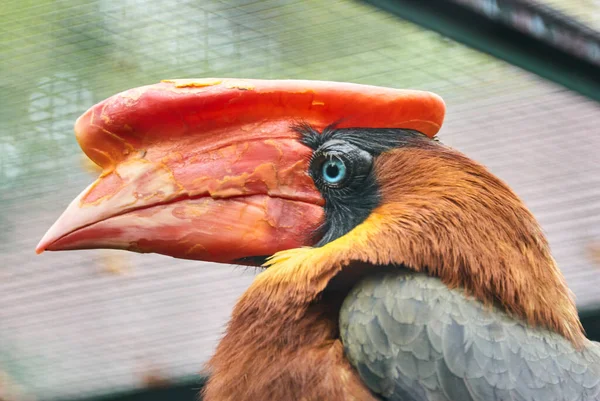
(500, 40)
(534, 18)
(188, 390)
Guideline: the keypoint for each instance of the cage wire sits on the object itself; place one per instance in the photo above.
(85, 323)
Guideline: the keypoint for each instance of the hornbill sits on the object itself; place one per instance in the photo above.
(395, 268)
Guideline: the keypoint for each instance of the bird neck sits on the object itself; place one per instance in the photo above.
(448, 216)
(282, 350)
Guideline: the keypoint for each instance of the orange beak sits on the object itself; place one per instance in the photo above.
(244, 199)
(211, 169)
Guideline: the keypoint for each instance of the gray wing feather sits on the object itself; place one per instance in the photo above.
(413, 339)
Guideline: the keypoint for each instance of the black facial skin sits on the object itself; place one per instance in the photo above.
(349, 202)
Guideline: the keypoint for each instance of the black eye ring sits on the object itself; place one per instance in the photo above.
(339, 164)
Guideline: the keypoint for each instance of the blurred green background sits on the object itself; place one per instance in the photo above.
(87, 323)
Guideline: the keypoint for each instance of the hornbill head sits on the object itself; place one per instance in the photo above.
(310, 177)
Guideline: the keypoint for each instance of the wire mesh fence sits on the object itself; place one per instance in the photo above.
(91, 322)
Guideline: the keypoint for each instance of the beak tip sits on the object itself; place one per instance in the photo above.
(42, 246)
(47, 240)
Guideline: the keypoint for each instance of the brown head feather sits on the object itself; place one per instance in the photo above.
(455, 220)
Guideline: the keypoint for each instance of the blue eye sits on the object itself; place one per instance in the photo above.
(334, 171)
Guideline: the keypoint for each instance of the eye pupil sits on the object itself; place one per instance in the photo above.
(334, 171)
